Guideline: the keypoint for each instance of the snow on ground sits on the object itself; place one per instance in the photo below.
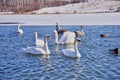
(88, 7)
(64, 19)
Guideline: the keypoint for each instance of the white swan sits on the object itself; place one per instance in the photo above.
(81, 32)
(67, 38)
(38, 41)
(38, 49)
(72, 52)
(20, 31)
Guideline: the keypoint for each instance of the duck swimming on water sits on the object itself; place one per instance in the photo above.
(114, 51)
(103, 35)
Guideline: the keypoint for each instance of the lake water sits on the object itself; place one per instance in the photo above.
(96, 62)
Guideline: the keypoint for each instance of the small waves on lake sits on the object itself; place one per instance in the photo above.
(96, 62)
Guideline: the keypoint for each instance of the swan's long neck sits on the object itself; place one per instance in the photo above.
(18, 27)
(81, 29)
(56, 37)
(46, 45)
(76, 48)
(36, 36)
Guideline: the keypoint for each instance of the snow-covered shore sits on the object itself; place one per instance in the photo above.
(87, 7)
(64, 19)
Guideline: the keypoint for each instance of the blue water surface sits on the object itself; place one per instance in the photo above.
(96, 62)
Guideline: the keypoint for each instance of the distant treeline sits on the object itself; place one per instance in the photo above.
(22, 6)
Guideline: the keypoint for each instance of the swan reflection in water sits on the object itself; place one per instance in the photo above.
(72, 52)
(45, 60)
(66, 46)
(56, 48)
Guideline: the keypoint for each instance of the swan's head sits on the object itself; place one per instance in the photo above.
(76, 33)
(55, 33)
(77, 39)
(35, 33)
(19, 25)
(47, 36)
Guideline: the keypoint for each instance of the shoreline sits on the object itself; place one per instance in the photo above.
(64, 19)
(59, 13)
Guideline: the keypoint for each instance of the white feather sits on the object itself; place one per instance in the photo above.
(38, 41)
(72, 52)
(38, 49)
(67, 38)
(20, 31)
(81, 32)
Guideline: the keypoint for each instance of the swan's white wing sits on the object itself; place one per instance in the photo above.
(70, 37)
(67, 37)
(35, 50)
(41, 50)
(69, 52)
(20, 31)
(63, 37)
(39, 42)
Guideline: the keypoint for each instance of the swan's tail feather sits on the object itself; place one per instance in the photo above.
(28, 47)
(24, 49)
(62, 43)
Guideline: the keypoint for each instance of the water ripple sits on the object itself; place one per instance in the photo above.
(95, 64)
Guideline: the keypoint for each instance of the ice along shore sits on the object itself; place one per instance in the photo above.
(63, 19)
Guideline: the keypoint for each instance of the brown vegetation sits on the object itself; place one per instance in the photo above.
(22, 6)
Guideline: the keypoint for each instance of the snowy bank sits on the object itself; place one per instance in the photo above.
(87, 7)
(64, 19)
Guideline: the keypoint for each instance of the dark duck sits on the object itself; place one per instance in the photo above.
(114, 51)
(59, 29)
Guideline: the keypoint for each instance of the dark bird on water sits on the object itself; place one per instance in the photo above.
(103, 35)
(114, 51)
(59, 29)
